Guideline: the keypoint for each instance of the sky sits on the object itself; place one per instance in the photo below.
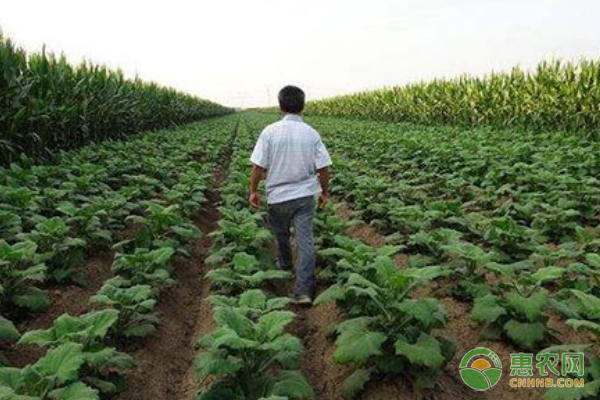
(241, 52)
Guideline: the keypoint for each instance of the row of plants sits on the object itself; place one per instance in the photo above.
(554, 96)
(249, 354)
(49, 105)
(511, 220)
(166, 188)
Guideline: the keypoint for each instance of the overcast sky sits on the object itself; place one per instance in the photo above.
(240, 52)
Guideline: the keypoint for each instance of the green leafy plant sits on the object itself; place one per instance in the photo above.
(244, 272)
(54, 376)
(101, 366)
(20, 272)
(520, 314)
(252, 303)
(239, 231)
(135, 305)
(389, 332)
(8, 332)
(62, 254)
(146, 267)
(251, 357)
(164, 226)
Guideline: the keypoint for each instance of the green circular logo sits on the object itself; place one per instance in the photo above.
(481, 375)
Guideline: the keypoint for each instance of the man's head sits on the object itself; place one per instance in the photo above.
(291, 100)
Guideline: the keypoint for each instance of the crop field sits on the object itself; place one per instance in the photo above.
(132, 267)
(135, 269)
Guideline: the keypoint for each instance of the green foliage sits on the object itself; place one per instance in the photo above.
(101, 365)
(135, 305)
(53, 377)
(520, 316)
(146, 267)
(20, 271)
(554, 96)
(63, 254)
(50, 105)
(388, 332)
(245, 349)
(164, 227)
(244, 272)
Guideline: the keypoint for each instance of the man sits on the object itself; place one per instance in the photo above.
(296, 163)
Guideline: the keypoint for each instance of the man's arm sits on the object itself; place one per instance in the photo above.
(324, 177)
(257, 175)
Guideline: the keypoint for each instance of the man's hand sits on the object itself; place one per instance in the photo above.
(254, 200)
(323, 200)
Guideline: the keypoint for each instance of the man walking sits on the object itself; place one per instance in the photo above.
(296, 163)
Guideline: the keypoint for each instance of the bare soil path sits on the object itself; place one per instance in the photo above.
(165, 361)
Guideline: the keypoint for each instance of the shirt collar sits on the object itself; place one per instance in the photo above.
(292, 117)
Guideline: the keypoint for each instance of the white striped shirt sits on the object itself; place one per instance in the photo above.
(291, 151)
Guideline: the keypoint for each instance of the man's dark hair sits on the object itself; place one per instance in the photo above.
(291, 99)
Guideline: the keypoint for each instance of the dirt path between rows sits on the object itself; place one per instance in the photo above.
(165, 361)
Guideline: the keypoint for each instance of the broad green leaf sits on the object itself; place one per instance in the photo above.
(76, 391)
(525, 334)
(229, 317)
(292, 384)
(274, 323)
(354, 384)
(62, 363)
(487, 309)
(426, 351)
(8, 331)
(98, 323)
(356, 342)
(427, 312)
(548, 274)
(332, 293)
(587, 325)
(531, 307)
(253, 299)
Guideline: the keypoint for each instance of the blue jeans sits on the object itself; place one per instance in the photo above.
(298, 213)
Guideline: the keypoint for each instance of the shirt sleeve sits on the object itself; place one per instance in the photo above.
(260, 155)
(322, 158)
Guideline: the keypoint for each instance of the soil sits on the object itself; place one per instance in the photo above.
(312, 326)
(71, 299)
(166, 360)
(462, 331)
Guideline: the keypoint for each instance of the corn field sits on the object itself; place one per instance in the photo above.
(558, 96)
(46, 104)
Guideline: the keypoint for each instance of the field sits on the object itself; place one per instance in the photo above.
(122, 261)
(131, 266)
